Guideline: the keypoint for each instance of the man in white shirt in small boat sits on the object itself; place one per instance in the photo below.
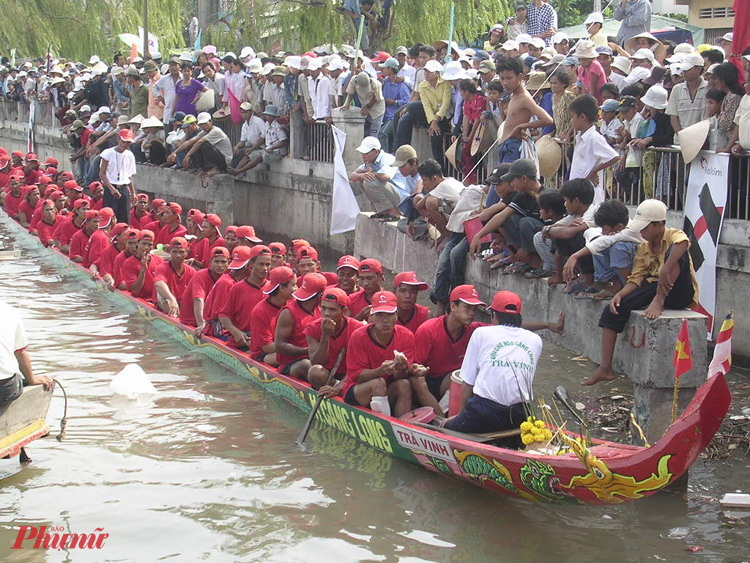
(498, 371)
(15, 364)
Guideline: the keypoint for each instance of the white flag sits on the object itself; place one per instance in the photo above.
(344, 206)
(705, 202)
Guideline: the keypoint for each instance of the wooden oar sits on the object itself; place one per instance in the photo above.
(561, 394)
(315, 408)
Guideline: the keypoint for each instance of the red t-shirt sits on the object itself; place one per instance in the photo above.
(197, 288)
(365, 353)
(435, 349)
(117, 267)
(301, 319)
(201, 249)
(12, 204)
(165, 236)
(358, 301)
(175, 282)
(141, 223)
(332, 278)
(239, 305)
(32, 177)
(5, 178)
(263, 325)
(36, 216)
(131, 267)
(27, 210)
(98, 242)
(339, 339)
(78, 244)
(217, 297)
(105, 263)
(153, 226)
(65, 230)
(419, 315)
(45, 231)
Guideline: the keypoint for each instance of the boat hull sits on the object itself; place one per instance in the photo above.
(24, 420)
(606, 473)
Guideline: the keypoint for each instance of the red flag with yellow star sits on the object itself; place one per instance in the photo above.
(683, 359)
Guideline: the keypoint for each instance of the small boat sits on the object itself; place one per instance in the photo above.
(22, 421)
(598, 474)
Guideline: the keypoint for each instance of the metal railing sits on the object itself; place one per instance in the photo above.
(44, 112)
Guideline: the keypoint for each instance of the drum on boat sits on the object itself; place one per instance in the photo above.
(454, 403)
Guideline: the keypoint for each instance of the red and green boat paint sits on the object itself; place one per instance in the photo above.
(602, 473)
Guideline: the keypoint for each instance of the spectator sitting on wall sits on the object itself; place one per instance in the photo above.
(276, 141)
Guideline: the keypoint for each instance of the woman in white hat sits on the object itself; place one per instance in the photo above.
(590, 72)
(656, 131)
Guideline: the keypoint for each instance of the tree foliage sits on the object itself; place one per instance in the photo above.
(76, 29)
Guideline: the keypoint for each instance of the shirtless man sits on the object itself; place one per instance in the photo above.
(520, 110)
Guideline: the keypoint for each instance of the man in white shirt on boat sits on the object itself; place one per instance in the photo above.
(15, 364)
(498, 371)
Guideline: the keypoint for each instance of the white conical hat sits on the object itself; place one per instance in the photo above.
(692, 139)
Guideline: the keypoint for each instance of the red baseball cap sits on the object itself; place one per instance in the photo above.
(240, 257)
(72, 185)
(51, 161)
(248, 232)
(176, 207)
(278, 276)
(384, 302)
(141, 197)
(348, 262)
(17, 176)
(178, 242)
(117, 230)
(409, 278)
(336, 295)
(297, 242)
(127, 135)
(466, 293)
(259, 249)
(93, 186)
(506, 302)
(49, 189)
(307, 252)
(277, 247)
(4, 160)
(80, 203)
(19, 154)
(197, 217)
(132, 233)
(312, 284)
(91, 214)
(231, 230)
(31, 157)
(51, 171)
(212, 219)
(220, 251)
(105, 216)
(157, 203)
(57, 194)
(44, 180)
(145, 234)
(65, 174)
(370, 265)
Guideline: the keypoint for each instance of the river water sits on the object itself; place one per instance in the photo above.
(208, 470)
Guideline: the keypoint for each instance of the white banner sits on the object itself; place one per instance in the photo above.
(705, 202)
(344, 206)
(30, 142)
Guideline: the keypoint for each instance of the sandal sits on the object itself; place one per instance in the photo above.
(502, 263)
(575, 288)
(387, 218)
(538, 273)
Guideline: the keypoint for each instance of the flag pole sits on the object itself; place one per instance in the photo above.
(683, 362)
(448, 57)
(675, 397)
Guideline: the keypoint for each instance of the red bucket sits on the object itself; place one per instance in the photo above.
(454, 403)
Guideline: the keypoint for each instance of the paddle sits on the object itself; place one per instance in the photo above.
(561, 394)
(315, 408)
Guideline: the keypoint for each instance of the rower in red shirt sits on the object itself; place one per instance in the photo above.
(244, 296)
(193, 222)
(297, 243)
(192, 305)
(139, 215)
(96, 201)
(219, 293)
(211, 231)
(326, 337)
(372, 367)
(81, 237)
(138, 271)
(172, 227)
(370, 279)
(50, 162)
(307, 263)
(441, 344)
(13, 195)
(278, 254)
(28, 206)
(230, 238)
(131, 247)
(46, 226)
(172, 277)
(247, 237)
(16, 159)
(98, 242)
(5, 171)
(406, 286)
(346, 274)
(157, 211)
(74, 193)
(103, 267)
(290, 340)
(281, 284)
(36, 216)
(70, 225)
(31, 169)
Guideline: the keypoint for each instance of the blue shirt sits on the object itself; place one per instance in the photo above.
(291, 95)
(381, 165)
(539, 20)
(546, 105)
(398, 91)
(404, 184)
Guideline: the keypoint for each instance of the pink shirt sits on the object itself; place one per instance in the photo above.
(584, 75)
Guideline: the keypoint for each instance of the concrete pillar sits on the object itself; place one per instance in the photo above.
(353, 124)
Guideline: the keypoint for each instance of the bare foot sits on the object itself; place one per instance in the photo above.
(601, 374)
(560, 325)
(554, 280)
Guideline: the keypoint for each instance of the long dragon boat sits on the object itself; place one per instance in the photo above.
(598, 473)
